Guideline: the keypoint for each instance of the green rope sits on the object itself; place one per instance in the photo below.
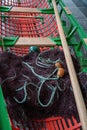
(30, 83)
(25, 93)
(43, 80)
(51, 97)
(59, 88)
(27, 77)
(37, 75)
(43, 63)
(8, 78)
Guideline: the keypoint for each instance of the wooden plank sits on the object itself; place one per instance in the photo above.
(26, 41)
(25, 10)
(74, 81)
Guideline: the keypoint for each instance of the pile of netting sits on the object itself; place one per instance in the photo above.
(32, 88)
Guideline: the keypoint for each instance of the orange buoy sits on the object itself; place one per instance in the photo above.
(60, 72)
(58, 64)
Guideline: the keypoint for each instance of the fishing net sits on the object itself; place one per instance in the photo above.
(30, 85)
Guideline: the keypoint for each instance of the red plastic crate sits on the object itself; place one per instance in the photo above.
(54, 123)
(29, 27)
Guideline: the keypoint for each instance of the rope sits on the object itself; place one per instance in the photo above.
(8, 78)
(39, 76)
(51, 97)
(45, 63)
(42, 79)
(25, 94)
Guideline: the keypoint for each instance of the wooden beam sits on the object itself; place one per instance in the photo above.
(25, 10)
(75, 84)
(26, 41)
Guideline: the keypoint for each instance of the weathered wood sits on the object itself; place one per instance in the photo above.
(25, 10)
(26, 41)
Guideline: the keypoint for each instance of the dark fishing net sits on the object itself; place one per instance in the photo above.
(32, 89)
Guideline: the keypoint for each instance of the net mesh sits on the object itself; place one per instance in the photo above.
(29, 27)
(63, 105)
